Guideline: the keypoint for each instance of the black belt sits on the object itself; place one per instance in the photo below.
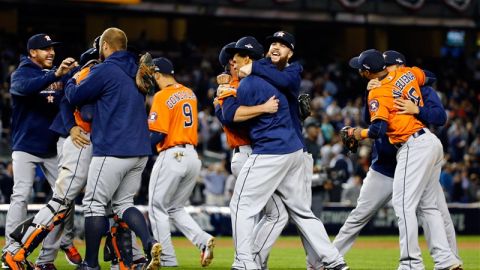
(181, 145)
(415, 135)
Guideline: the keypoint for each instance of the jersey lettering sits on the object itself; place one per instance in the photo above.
(187, 112)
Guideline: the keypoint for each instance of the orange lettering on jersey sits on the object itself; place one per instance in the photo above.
(402, 83)
(174, 113)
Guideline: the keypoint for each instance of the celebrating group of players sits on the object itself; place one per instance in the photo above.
(85, 124)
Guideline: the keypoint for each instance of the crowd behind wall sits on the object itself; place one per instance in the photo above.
(337, 100)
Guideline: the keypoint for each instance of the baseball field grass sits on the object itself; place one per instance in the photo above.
(369, 252)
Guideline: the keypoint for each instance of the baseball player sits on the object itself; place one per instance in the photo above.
(120, 142)
(173, 125)
(419, 159)
(276, 70)
(376, 190)
(36, 91)
(275, 165)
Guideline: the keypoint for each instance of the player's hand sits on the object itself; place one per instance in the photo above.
(374, 83)
(215, 102)
(66, 65)
(245, 70)
(222, 88)
(224, 78)
(271, 105)
(77, 135)
(405, 106)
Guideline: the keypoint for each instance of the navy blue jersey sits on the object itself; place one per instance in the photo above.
(270, 133)
(119, 125)
(36, 93)
(288, 82)
(64, 121)
(384, 154)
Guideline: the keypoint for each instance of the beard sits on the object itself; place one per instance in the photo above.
(281, 63)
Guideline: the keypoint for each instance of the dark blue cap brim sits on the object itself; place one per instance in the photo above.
(272, 39)
(354, 63)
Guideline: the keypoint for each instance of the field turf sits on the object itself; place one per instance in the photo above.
(369, 252)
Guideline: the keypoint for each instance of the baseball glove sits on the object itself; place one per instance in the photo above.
(145, 79)
(348, 139)
(304, 106)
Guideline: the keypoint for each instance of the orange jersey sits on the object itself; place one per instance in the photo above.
(402, 83)
(82, 74)
(235, 137)
(174, 113)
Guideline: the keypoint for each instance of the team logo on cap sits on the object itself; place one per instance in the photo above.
(249, 46)
(366, 66)
(280, 34)
(373, 105)
(48, 38)
(398, 60)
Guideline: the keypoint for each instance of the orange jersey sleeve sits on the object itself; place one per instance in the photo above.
(81, 75)
(174, 113)
(397, 84)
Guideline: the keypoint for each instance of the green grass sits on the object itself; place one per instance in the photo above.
(375, 252)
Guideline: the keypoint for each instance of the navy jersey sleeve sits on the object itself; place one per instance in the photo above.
(287, 80)
(432, 112)
(229, 108)
(88, 90)
(23, 84)
(219, 114)
(377, 129)
(66, 111)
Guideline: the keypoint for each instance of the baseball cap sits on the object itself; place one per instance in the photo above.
(40, 41)
(394, 58)
(163, 65)
(249, 45)
(223, 57)
(283, 37)
(371, 60)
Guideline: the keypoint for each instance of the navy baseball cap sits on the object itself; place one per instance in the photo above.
(40, 41)
(371, 60)
(163, 65)
(247, 44)
(283, 37)
(224, 57)
(394, 58)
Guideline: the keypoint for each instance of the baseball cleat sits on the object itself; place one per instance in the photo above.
(72, 255)
(84, 266)
(155, 262)
(457, 266)
(10, 263)
(338, 267)
(45, 266)
(206, 256)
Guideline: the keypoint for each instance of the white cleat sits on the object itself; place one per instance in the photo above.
(206, 256)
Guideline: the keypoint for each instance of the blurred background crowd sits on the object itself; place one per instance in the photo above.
(337, 93)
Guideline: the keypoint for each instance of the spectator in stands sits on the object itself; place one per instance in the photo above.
(214, 182)
(6, 181)
(351, 190)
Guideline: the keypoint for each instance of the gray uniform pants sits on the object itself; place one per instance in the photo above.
(259, 178)
(171, 184)
(415, 189)
(274, 221)
(112, 179)
(375, 193)
(24, 172)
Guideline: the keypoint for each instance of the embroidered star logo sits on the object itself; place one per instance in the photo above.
(48, 38)
(280, 34)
